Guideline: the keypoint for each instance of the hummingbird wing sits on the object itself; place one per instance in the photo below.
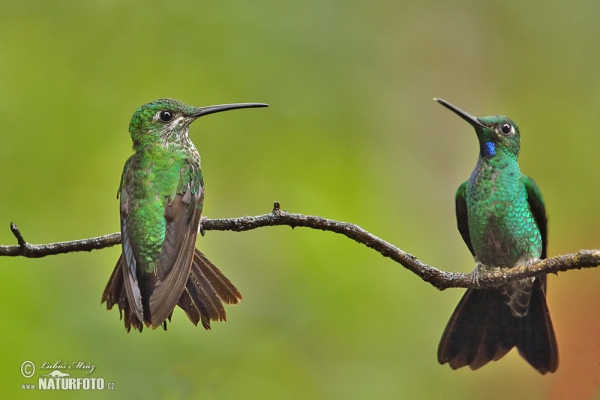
(122, 288)
(538, 209)
(127, 260)
(182, 216)
(462, 217)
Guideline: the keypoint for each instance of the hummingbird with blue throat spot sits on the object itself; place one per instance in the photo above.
(502, 219)
(161, 197)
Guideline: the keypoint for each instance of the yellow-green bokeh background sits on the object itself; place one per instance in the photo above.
(352, 134)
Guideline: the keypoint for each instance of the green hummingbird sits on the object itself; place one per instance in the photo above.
(501, 217)
(161, 197)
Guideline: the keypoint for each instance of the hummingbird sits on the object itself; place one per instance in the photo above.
(161, 197)
(502, 219)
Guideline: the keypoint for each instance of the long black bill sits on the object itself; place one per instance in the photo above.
(225, 107)
(463, 114)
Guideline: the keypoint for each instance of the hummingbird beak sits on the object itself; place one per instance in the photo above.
(202, 111)
(463, 114)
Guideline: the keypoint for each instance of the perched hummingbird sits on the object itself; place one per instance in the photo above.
(161, 195)
(502, 219)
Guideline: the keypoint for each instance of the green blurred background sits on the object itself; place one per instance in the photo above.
(352, 134)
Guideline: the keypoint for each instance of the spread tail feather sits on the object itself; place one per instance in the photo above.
(226, 291)
(483, 329)
(206, 288)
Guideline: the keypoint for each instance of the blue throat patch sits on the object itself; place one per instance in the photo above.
(488, 149)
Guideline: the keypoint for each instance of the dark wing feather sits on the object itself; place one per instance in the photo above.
(128, 259)
(122, 287)
(462, 217)
(115, 293)
(129, 275)
(175, 259)
(536, 204)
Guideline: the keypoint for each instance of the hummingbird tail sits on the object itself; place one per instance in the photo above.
(205, 291)
(536, 341)
(483, 329)
(226, 291)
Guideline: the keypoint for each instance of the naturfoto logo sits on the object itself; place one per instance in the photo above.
(56, 376)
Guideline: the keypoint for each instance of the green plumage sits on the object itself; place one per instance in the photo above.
(501, 217)
(161, 197)
(155, 175)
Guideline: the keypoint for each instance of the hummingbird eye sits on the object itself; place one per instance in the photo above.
(506, 128)
(165, 116)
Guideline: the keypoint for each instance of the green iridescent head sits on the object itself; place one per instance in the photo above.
(168, 120)
(496, 134)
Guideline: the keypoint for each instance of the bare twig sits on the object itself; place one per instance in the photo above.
(439, 279)
(28, 250)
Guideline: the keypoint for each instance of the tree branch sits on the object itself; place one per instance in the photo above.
(439, 279)
(28, 250)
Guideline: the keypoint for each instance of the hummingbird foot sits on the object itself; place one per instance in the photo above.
(530, 262)
(200, 229)
(475, 274)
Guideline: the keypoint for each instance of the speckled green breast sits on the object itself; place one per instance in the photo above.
(501, 225)
(155, 178)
